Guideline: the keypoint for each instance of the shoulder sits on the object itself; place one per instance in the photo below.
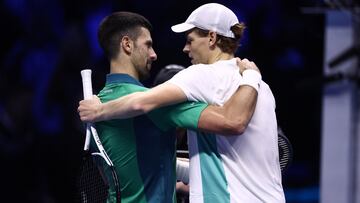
(195, 70)
(114, 90)
(127, 87)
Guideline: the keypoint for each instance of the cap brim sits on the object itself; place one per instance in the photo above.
(182, 27)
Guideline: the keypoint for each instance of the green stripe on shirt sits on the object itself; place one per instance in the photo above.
(213, 178)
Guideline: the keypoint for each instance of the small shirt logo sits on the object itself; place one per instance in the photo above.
(108, 91)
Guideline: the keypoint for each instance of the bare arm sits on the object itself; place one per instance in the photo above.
(130, 105)
(234, 116)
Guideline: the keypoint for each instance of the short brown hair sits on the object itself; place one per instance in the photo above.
(226, 44)
(117, 25)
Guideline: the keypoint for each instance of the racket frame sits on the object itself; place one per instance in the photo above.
(91, 130)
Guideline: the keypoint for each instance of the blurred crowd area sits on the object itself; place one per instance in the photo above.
(45, 44)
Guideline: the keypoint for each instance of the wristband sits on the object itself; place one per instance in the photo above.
(251, 78)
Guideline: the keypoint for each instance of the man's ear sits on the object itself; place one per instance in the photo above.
(126, 44)
(212, 38)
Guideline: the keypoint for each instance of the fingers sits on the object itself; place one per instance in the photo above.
(245, 64)
(82, 110)
(88, 109)
(238, 63)
(241, 65)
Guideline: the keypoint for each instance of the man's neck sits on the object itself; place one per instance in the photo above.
(220, 56)
(125, 68)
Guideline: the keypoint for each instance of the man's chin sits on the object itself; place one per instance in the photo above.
(148, 67)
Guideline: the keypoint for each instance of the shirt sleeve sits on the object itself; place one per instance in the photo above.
(185, 115)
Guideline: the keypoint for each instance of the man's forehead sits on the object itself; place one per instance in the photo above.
(145, 34)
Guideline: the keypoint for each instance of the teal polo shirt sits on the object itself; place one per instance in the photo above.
(143, 148)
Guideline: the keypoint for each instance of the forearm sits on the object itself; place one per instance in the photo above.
(233, 117)
(213, 120)
(238, 110)
(125, 107)
(140, 102)
(236, 113)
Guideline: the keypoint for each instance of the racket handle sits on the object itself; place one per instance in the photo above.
(87, 85)
(182, 170)
(87, 90)
(87, 138)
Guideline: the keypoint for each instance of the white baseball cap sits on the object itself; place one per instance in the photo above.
(212, 16)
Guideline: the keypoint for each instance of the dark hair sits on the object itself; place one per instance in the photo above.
(226, 44)
(117, 25)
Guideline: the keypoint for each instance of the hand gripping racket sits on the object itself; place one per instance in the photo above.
(98, 181)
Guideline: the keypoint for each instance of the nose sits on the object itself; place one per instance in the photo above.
(153, 55)
(186, 49)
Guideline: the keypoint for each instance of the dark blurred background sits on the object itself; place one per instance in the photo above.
(45, 44)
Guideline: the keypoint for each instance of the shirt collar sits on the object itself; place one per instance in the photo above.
(121, 78)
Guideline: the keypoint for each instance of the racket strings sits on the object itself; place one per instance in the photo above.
(91, 183)
(285, 153)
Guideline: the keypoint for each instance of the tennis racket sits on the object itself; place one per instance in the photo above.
(98, 181)
(285, 151)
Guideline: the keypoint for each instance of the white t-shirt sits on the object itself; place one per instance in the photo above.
(241, 169)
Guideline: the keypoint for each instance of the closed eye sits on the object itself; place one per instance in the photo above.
(149, 43)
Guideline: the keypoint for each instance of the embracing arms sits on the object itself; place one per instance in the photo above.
(232, 118)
